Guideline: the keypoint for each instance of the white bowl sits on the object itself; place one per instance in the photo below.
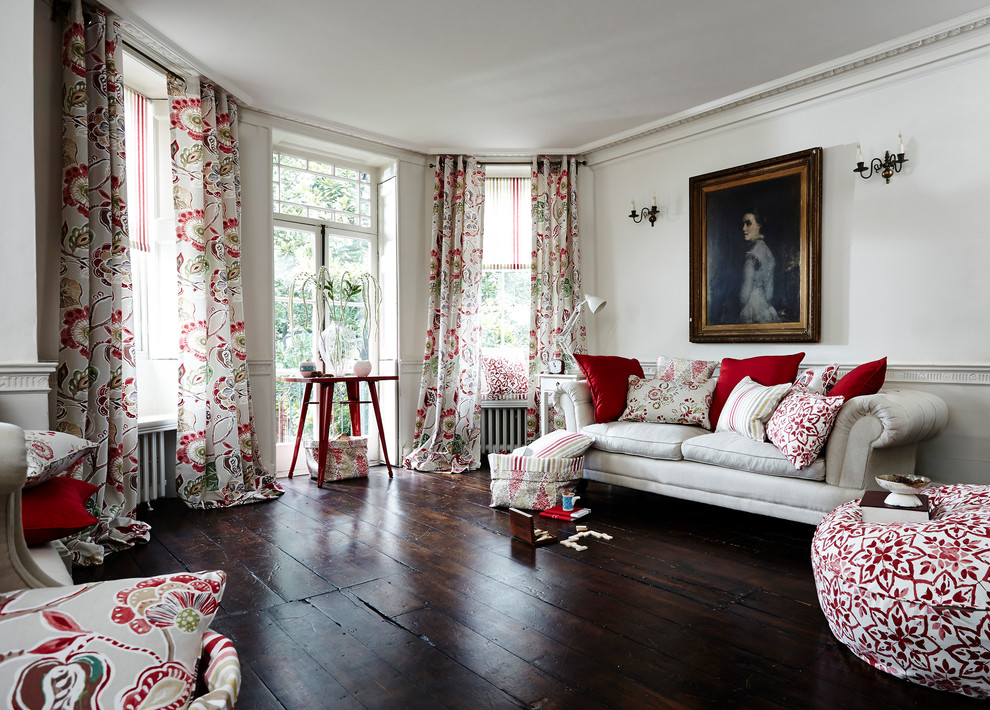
(902, 488)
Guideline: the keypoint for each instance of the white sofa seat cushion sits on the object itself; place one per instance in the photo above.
(647, 439)
(732, 450)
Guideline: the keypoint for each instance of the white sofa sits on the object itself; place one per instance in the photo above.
(873, 434)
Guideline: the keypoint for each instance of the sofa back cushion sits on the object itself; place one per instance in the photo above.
(668, 401)
(866, 379)
(765, 370)
(749, 407)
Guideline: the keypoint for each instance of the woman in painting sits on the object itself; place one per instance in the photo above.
(756, 293)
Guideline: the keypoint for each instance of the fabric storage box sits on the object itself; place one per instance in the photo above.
(347, 457)
(532, 483)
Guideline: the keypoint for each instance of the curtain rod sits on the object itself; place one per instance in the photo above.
(502, 162)
(141, 53)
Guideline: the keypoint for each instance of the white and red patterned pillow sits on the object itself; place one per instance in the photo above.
(800, 425)
(668, 401)
(818, 380)
(504, 377)
(748, 408)
(560, 444)
(50, 453)
(680, 369)
(119, 644)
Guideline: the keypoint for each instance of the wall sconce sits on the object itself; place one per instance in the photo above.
(646, 213)
(885, 168)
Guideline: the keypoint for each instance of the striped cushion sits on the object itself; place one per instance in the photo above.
(560, 444)
(748, 408)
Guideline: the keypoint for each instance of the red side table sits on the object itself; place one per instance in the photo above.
(352, 384)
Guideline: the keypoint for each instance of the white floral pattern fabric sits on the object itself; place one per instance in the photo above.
(218, 461)
(532, 483)
(95, 393)
(447, 435)
(679, 369)
(912, 599)
(800, 425)
(50, 453)
(818, 380)
(673, 401)
(347, 457)
(556, 277)
(122, 644)
(505, 378)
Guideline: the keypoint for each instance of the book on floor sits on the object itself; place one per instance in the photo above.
(876, 511)
(559, 513)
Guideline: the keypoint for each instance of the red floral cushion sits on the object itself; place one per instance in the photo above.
(127, 643)
(866, 379)
(51, 453)
(608, 380)
(800, 425)
(55, 509)
(819, 380)
(765, 370)
(504, 377)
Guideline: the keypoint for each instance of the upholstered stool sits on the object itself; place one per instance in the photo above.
(913, 599)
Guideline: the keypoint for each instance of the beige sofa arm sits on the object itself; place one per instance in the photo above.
(18, 570)
(573, 399)
(878, 434)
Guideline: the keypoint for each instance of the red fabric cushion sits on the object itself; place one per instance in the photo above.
(608, 380)
(866, 379)
(55, 509)
(767, 370)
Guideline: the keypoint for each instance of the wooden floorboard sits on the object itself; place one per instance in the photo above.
(408, 593)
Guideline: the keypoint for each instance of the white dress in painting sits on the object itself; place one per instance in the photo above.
(757, 287)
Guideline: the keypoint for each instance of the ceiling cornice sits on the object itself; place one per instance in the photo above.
(913, 43)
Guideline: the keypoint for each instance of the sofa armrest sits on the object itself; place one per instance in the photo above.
(573, 399)
(879, 434)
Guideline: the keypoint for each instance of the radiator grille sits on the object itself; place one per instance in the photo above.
(503, 426)
(155, 452)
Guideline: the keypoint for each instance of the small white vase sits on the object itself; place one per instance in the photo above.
(362, 368)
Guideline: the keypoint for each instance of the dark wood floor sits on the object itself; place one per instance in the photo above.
(409, 594)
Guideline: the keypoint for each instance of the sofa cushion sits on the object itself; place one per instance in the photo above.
(765, 369)
(731, 450)
(125, 643)
(51, 453)
(559, 444)
(668, 402)
(818, 380)
(801, 424)
(749, 407)
(608, 379)
(654, 441)
(55, 509)
(866, 379)
(679, 369)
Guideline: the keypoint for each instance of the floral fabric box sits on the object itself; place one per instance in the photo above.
(347, 457)
(532, 483)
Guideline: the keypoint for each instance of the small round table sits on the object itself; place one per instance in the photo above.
(913, 598)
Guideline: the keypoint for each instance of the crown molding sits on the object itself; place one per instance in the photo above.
(933, 44)
(900, 374)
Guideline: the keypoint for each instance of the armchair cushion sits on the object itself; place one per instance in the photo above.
(51, 453)
(119, 643)
(55, 509)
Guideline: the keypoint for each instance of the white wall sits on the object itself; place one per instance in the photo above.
(903, 265)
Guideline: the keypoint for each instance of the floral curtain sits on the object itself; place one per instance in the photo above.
(95, 392)
(218, 462)
(448, 422)
(556, 276)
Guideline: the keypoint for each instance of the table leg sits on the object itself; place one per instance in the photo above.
(378, 419)
(354, 395)
(326, 414)
(307, 392)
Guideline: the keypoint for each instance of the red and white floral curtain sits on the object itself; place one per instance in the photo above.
(218, 461)
(448, 420)
(556, 278)
(95, 381)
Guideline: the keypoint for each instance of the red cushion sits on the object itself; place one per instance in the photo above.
(767, 370)
(866, 379)
(608, 380)
(55, 509)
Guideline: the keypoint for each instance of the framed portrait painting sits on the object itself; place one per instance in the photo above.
(756, 252)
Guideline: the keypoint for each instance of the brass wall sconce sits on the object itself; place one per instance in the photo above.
(649, 213)
(885, 168)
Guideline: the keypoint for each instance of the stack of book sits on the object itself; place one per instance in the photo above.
(557, 512)
(876, 511)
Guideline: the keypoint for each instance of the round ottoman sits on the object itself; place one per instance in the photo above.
(912, 599)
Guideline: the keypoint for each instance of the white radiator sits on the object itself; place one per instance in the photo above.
(156, 459)
(503, 426)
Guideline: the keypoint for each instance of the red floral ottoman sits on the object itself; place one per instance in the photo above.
(912, 599)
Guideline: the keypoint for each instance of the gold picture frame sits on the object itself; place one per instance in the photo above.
(756, 252)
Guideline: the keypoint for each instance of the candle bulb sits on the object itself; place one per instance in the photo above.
(859, 153)
(900, 143)
(634, 205)
(654, 200)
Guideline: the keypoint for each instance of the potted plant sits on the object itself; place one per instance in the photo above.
(345, 332)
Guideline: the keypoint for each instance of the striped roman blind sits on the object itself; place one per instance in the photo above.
(508, 228)
(138, 131)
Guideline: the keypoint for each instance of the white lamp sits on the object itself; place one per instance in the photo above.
(594, 304)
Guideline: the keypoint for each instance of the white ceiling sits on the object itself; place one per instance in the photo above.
(506, 76)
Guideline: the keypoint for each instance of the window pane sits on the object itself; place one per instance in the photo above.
(320, 167)
(294, 162)
(296, 185)
(505, 304)
(347, 173)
